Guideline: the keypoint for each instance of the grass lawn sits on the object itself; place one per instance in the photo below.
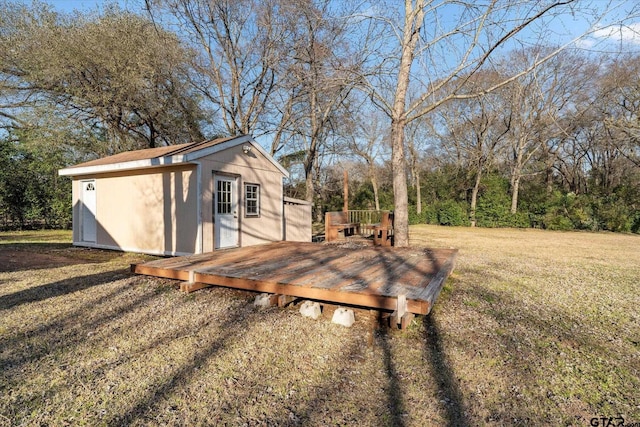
(532, 328)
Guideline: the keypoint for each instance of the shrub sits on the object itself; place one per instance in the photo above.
(568, 212)
(635, 223)
(614, 217)
(430, 213)
(415, 218)
(494, 203)
(450, 212)
(552, 221)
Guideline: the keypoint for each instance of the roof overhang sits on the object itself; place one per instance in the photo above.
(123, 166)
(180, 159)
(293, 201)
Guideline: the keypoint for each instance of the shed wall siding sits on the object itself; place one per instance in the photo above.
(297, 222)
(250, 168)
(152, 210)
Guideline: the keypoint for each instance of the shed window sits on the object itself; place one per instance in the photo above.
(251, 200)
(224, 197)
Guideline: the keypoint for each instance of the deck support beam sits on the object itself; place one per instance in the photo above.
(402, 305)
(189, 287)
(401, 316)
(401, 322)
(284, 300)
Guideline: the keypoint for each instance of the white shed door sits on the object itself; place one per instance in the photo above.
(88, 212)
(226, 212)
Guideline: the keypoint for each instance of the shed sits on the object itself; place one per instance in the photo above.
(184, 199)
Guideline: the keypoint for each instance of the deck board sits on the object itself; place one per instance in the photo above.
(366, 276)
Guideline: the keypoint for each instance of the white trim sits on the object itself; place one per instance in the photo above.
(172, 160)
(217, 148)
(243, 139)
(123, 166)
(130, 249)
(199, 232)
(245, 199)
(293, 201)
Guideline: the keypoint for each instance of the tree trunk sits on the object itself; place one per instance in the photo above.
(413, 21)
(309, 163)
(515, 188)
(516, 173)
(313, 144)
(309, 188)
(549, 179)
(418, 195)
(400, 195)
(374, 184)
(474, 198)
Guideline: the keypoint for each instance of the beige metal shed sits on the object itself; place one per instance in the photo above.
(182, 199)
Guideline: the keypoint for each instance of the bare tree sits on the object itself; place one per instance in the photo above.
(434, 58)
(367, 141)
(537, 104)
(241, 43)
(319, 76)
(620, 90)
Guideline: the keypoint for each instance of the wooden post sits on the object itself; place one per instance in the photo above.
(284, 300)
(346, 191)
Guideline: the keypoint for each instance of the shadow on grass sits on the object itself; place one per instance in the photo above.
(145, 404)
(535, 344)
(393, 266)
(71, 330)
(325, 402)
(395, 402)
(59, 288)
(444, 375)
(62, 332)
(390, 407)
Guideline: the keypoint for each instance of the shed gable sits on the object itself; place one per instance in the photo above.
(168, 156)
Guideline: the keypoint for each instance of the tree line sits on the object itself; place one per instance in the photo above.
(447, 112)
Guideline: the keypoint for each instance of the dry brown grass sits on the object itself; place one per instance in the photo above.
(533, 328)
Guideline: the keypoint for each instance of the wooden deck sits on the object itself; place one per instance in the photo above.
(375, 277)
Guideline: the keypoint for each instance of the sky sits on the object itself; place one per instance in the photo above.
(628, 35)
(88, 5)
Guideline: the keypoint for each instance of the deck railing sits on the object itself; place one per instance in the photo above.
(367, 220)
(365, 217)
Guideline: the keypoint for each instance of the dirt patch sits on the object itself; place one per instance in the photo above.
(21, 260)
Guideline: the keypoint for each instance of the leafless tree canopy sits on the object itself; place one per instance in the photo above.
(480, 88)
